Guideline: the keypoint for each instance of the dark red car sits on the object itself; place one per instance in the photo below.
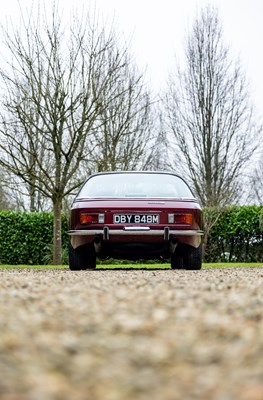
(135, 215)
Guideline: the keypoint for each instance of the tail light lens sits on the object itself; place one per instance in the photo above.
(180, 219)
(87, 218)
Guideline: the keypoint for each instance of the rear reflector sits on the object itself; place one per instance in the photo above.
(170, 218)
(101, 219)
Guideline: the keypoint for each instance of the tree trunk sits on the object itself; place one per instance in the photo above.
(57, 238)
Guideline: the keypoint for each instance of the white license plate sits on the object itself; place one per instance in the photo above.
(136, 219)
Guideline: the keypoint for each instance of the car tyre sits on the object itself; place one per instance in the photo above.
(83, 257)
(192, 258)
(177, 261)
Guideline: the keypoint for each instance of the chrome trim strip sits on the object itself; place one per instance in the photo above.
(136, 228)
(134, 231)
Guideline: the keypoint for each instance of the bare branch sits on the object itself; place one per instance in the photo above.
(209, 114)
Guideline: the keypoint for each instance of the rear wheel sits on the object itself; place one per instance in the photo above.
(177, 261)
(187, 257)
(193, 258)
(83, 257)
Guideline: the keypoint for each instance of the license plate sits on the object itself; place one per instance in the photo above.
(136, 219)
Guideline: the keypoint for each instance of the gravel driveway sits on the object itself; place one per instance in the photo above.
(131, 335)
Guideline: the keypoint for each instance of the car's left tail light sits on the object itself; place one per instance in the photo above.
(88, 218)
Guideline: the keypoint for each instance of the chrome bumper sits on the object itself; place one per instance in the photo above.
(134, 230)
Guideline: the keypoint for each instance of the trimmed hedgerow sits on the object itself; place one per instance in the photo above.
(26, 238)
(235, 234)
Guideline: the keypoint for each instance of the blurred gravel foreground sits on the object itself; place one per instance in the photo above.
(131, 335)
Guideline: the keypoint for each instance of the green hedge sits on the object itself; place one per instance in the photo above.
(236, 234)
(26, 238)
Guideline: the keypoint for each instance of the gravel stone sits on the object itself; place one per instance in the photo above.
(131, 334)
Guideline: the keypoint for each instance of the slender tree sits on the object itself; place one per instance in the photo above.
(6, 202)
(12, 192)
(255, 195)
(160, 160)
(124, 136)
(54, 91)
(209, 114)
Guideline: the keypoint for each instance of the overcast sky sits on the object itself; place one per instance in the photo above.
(156, 29)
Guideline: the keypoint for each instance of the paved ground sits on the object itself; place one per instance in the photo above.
(131, 335)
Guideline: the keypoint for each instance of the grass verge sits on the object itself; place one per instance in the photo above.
(136, 266)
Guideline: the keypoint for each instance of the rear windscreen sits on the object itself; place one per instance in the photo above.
(135, 185)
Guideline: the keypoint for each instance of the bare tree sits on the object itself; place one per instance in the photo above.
(255, 195)
(13, 192)
(6, 202)
(209, 114)
(53, 90)
(124, 138)
(160, 160)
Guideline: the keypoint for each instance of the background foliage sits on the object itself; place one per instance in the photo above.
(26, 238)
(235, 235)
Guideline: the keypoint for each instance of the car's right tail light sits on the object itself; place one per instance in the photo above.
(180, 219)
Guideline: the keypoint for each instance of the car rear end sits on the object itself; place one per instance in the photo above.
(136, 227)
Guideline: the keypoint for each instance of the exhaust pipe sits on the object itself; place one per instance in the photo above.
(173, 245)
(97, 245)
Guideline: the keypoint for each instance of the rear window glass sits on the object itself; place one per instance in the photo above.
(133, 185)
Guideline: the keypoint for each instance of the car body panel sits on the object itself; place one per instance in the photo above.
(141, 225)
(188, 234)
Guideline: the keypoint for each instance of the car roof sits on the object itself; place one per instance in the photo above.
(135, 172)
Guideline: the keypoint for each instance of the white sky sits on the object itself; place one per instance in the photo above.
(156, 30)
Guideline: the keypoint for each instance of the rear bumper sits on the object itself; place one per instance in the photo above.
(136, 231)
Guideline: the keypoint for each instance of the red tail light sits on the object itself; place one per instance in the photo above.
(88, 218)
(183, 219)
